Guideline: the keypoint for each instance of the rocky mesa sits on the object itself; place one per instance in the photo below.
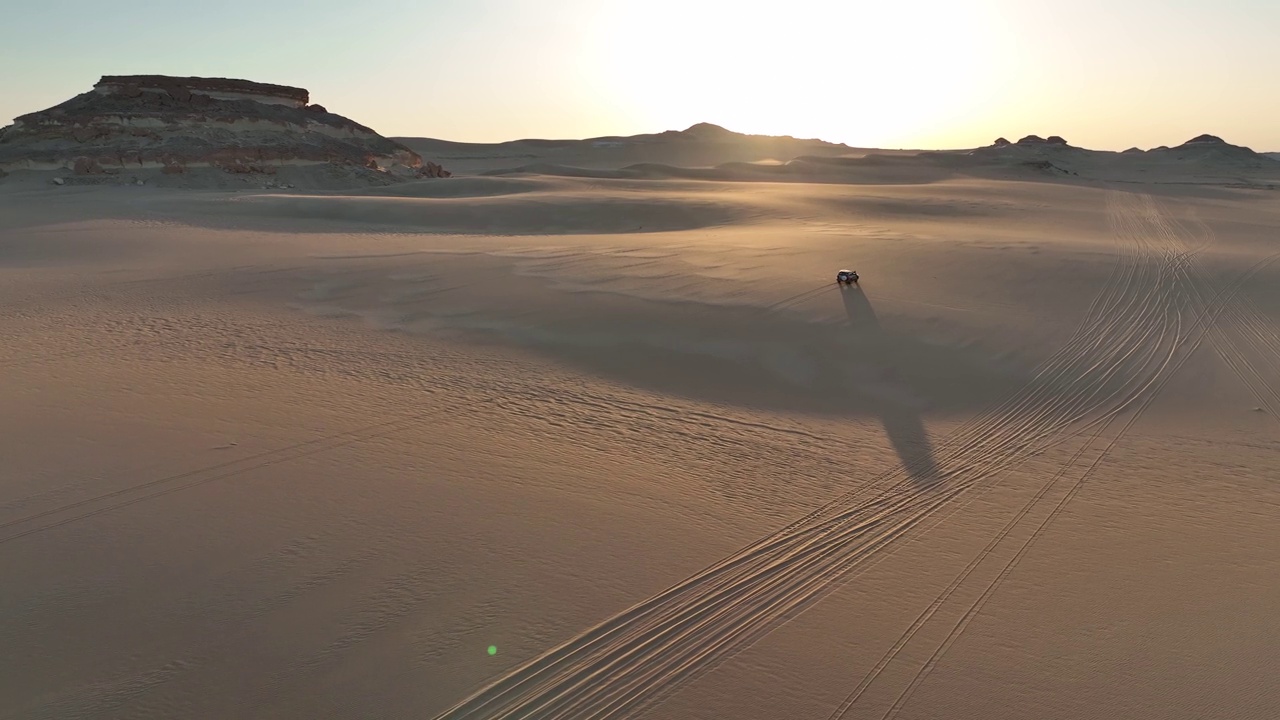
(180, 125)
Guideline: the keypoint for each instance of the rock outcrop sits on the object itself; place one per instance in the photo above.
(1037, 140)
(175, 125)
(432, 170)
(200, 90)
(1046, 166)
(1030, 142)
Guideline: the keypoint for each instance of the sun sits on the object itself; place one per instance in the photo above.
(866, 73)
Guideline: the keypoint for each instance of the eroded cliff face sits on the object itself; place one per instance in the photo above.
(184, 88)
(177, 124)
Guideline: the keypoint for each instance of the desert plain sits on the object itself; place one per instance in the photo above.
(578, 434)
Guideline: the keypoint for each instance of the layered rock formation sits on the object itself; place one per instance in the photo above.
(200, 90)
(177, 124)
(1033, 144)
(1037, 140)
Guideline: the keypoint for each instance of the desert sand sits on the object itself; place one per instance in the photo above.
(610, 442)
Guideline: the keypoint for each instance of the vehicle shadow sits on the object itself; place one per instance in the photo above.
(903, 424)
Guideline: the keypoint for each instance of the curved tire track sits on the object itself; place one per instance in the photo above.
(649, 650)
(1148, 223)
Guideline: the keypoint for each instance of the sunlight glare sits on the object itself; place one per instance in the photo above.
(868, 73)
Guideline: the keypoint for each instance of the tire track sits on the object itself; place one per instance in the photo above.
(1003, 534)
(1249, 327)
(1207, 312)
(928, 613)
(1241, 309)
(625, 662)
(798, 299)
(906, 525)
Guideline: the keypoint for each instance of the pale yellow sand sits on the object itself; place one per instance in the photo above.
(311, 455)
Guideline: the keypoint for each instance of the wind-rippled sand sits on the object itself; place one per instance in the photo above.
(311, 455)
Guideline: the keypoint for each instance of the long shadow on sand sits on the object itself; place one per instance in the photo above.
(821, 363)
(902, 423)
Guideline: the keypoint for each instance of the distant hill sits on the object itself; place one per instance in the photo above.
(1202, 159)
(709, 152)
(1209, 148)
(702, 145)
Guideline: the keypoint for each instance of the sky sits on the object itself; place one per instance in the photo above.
(1104, 74)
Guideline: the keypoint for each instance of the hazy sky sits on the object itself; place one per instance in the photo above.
(1106, 74)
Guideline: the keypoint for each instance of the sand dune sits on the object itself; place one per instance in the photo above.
(1197, 167)
(870, 170)
(711, 153)
(485, 209)
(314, 454)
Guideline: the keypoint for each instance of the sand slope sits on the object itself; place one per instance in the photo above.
(310, 454)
